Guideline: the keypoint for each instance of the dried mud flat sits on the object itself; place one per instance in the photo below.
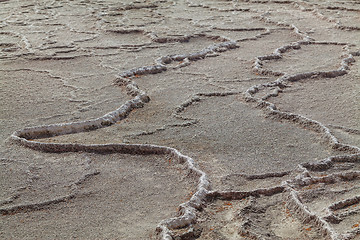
(180, 119)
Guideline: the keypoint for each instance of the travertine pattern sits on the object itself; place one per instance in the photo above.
(249, 111)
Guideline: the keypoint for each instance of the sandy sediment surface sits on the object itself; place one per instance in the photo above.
(180, 119)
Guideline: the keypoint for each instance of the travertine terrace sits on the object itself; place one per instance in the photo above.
(180, 119)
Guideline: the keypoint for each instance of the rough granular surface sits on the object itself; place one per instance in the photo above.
(180, 119)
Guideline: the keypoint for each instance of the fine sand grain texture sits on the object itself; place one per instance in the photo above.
(180, 119)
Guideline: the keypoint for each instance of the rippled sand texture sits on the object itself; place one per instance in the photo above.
(180, 119)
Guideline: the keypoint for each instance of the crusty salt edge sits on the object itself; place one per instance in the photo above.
(220, 47)
(238, 195)
(197, 98)
(161, 62)
(344, 203)
(277, 54)
(305, 178)
(322, 222)
(144, 70)
(25, 137)
(81, 126)
(120, 113)
(274, 93)
(327, 163)
(314, 125)
(296, 205)
(317, 127)
(258, 176)
(189, 121)
(187, 209)
(281, 82)
(301, 120)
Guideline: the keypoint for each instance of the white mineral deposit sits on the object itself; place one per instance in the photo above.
(180, 119)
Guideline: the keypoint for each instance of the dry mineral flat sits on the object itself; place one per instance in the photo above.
(180, 119)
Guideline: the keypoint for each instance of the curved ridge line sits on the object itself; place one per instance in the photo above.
(304, 121)
(186, 210)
